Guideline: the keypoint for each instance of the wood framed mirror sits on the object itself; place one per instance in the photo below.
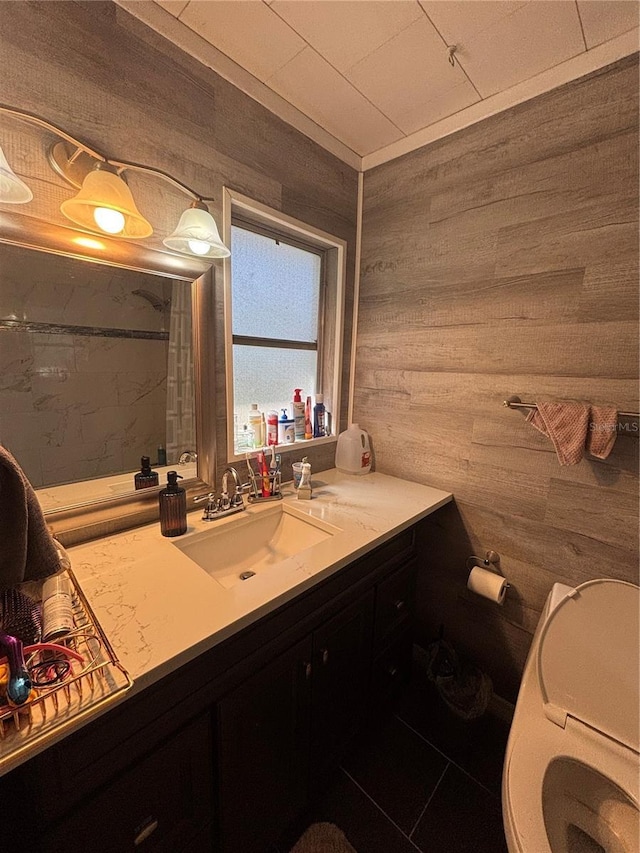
(105, 355)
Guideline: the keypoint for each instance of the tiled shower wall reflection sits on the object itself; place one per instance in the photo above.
(83, 365)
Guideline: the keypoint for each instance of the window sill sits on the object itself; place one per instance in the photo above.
(296, 447)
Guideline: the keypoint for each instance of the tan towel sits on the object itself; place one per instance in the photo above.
(27, 549)
(566, 424)
(603, 430)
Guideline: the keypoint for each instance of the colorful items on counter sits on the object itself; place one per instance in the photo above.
(267, 481)
(37, 666)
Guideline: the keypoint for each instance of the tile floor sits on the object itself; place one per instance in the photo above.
(420, 779)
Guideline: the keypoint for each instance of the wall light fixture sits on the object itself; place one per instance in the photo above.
(197, 234)
(13, 189)
(104, 203)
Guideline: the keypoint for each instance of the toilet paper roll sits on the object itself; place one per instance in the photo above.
(487, 584)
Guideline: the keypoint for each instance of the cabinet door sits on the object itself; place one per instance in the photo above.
(341, 671)
(263, 752)
(163, 804)
(394, 603)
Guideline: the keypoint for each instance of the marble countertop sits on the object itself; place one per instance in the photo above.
(159, 609)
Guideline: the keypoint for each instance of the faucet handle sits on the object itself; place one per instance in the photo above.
(238, 499)
(211, 507)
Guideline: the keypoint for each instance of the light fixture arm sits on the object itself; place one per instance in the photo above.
(81, 147)
(40, 122)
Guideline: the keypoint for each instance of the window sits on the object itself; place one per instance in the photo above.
(283, 313)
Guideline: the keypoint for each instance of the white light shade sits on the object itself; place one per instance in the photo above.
(197, 234)
(103, 193)
(13, 189)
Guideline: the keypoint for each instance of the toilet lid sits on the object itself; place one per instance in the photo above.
(588, 659)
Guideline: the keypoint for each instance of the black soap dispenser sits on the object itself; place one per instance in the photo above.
(145, 478)
(173, 507)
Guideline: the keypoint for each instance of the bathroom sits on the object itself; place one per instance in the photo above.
(497, 257)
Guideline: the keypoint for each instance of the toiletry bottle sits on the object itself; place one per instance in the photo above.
(256, 422)
(319, 426)
(298, 414)
(162, 455)
(308, 419)
(145, 476)
(57, 608)
(272, 428)
(173, 507)
(286, 432)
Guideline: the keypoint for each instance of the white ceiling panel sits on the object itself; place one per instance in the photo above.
(324, 95)
(370, 79)
(421, 78)
(535, 37)
(604, 19)
(173, 6)
(345, 31)
(246, 31)
(458, 22)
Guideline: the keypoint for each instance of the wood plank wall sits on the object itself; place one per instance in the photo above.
(504, 260)
(107, 79)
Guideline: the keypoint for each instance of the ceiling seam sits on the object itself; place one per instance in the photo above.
(456, 59)
(346, 79)
(255, 97)
(584, 38)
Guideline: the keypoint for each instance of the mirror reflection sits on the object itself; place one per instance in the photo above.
(96, 369)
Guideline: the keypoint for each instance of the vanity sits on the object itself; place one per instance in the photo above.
(245, 692)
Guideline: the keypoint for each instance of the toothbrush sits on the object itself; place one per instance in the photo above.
(272, 471)
(252, 476)
(264, 472)
(276, 480)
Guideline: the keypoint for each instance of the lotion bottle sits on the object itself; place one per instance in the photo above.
(257, 424)
(173, 507)
(272, 428)
(297, 407)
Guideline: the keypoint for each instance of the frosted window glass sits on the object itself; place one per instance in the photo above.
(268, 375)
(276, 288)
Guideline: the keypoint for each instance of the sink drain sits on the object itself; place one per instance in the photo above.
(246, 575)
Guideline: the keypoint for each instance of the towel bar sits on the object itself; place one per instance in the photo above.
(516, 403)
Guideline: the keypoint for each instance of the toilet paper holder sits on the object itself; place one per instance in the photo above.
(491, 560)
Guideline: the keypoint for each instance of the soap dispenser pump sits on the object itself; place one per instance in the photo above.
(173, 507)
(145, 478)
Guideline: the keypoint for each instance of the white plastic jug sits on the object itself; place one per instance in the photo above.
(353, 454)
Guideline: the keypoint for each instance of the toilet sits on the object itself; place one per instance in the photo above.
(571, 772)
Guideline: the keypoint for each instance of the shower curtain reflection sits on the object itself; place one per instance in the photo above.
(181, 427)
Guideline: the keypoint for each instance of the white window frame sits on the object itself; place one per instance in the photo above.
(260, 214)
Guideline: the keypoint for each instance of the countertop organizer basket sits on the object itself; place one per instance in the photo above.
(99, 679)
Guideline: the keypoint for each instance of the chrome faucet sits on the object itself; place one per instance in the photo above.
(227, 503)
(187, 456)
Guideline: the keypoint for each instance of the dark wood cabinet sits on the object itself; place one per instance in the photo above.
(287, 721)
(340, 681)
(162, 804)
(263, 751)
(221, 755)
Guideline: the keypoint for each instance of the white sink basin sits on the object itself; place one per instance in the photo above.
(254, 543)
